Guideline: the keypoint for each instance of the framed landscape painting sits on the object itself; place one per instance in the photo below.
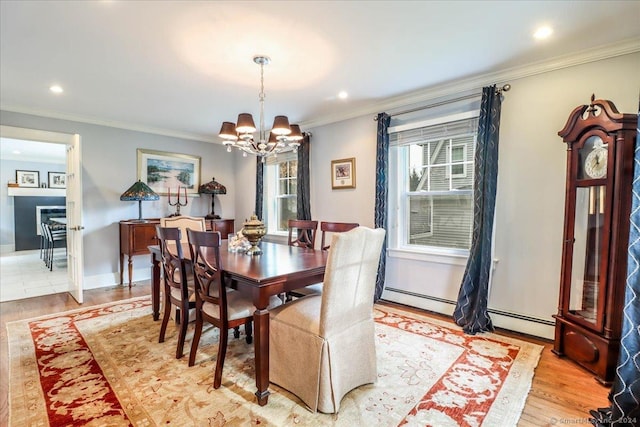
(166, 172)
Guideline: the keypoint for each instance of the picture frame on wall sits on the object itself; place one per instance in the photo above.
(165, 172)
(57, 180)
(28, 178)
(343, 173)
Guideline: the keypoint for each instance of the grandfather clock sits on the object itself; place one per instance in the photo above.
(600, 143)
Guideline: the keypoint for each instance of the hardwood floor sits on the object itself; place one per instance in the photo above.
(561, 393)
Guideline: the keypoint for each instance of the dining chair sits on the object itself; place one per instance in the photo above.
(219, 305)
(334, 332)
(184, 222)
(326, 228)
(302, 233)
(178, 284)
(44, 242)
(51, 237)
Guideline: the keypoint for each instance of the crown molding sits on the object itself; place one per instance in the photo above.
(108, 123)
(475, 83)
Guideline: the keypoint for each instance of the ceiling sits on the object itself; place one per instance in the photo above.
(182, 67)
(32, 151)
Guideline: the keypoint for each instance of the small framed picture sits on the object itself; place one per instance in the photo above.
(57, 180)
(28, 178)
(343, 173)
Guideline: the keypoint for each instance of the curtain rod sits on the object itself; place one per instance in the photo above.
(504, 88)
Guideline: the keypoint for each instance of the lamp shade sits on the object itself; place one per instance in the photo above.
(139, 191)
(281, 125)
(228, 132)
(245, 123)
(296, 133)
(212, 187)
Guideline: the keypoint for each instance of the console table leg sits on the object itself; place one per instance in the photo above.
(121, 267)
(130, 270)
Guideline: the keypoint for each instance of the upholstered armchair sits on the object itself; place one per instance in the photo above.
(322, 346)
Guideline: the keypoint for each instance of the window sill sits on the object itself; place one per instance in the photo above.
(448, 257)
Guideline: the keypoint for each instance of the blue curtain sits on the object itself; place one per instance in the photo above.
(303, 186)
(382, 186)
(471, 308)
(259, 186)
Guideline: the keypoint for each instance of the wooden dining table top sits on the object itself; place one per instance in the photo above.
(276, 261)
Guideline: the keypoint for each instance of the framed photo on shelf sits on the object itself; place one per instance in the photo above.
(343, 173)
(57, 180)
(165, 172)
(28, 178)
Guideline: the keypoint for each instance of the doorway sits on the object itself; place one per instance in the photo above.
(22, 266)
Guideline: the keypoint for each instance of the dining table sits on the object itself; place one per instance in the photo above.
(280, 268)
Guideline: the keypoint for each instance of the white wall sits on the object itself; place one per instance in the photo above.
(530, 200)
(8, 173)
(108, 169)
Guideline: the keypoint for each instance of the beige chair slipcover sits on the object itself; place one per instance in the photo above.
(322, 346)
(183, 222)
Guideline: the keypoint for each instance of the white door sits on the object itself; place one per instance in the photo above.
(75, 258)
(74, 219)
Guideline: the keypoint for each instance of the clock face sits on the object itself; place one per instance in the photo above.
(595, 164)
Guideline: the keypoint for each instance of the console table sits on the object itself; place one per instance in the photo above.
(224, 226)
(135, 238)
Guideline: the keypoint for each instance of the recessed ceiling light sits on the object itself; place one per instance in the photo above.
(543, 32)
(56, 89)
(16, 152)
(343, 95)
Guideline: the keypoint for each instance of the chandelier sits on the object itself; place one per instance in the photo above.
(241, 134)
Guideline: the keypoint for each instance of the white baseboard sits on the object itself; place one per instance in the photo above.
(113, 279)
(5, 249)
(543, 328)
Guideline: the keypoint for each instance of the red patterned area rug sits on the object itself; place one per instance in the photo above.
(103, 366)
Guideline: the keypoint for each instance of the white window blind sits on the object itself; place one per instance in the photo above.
(435, 177)
(427, 131)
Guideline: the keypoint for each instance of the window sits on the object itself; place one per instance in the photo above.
(281, 183)
(433, 167)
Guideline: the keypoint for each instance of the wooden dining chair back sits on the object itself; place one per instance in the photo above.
(334, 332)
(178, 283)
(302, 233)
(327, 227)
(184, 222)
(216, 303)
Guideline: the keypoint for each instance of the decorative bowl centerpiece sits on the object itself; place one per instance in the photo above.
(253, 230)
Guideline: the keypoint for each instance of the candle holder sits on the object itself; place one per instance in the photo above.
(177, 203)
